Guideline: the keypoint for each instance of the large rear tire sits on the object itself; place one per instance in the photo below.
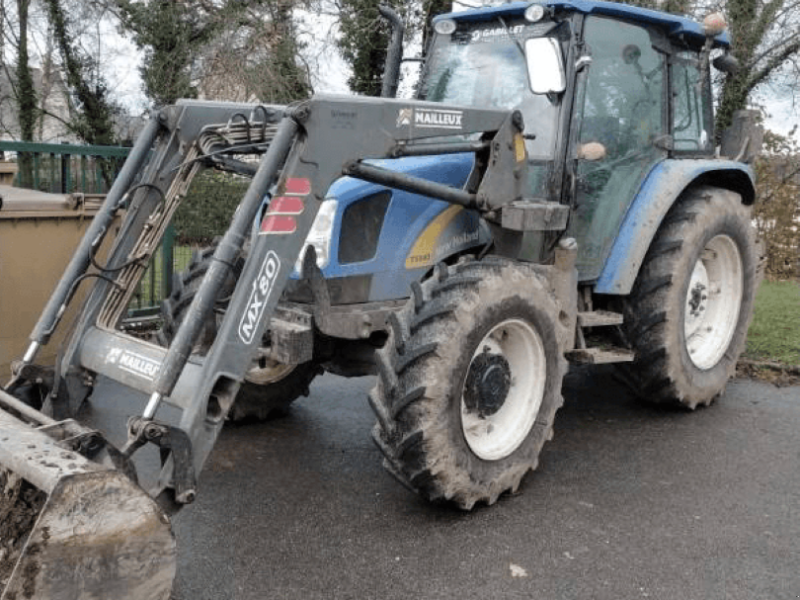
(469, 382)
(688, 314)
(269, 387)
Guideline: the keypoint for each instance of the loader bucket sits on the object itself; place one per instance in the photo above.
(74, 529)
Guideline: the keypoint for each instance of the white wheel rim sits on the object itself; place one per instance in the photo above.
(496, 436)
(713, 302)
(265, 371)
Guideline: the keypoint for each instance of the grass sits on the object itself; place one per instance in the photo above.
(775, 332)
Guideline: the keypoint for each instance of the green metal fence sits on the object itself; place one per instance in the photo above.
(69, 168)
(65, 168)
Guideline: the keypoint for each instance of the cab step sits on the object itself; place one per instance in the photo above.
(599, 318)
(599, 356)
(602, 353)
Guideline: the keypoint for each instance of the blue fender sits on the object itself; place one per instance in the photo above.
(658, 193)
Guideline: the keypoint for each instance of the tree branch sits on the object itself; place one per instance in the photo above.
(771, 49)
(772, 64)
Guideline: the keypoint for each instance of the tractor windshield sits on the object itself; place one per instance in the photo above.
(485, 65)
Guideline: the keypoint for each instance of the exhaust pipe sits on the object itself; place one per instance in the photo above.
(394, 54)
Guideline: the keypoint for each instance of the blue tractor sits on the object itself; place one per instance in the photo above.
(618, 115)
(554, 194)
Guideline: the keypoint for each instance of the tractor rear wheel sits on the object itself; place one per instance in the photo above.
(688, 314)
(469, 382)
(269, 387)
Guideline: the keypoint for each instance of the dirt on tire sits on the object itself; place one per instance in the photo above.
(655, 320)
(423, 367)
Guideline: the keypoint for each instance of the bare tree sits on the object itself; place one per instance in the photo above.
(92, 117)
(225, 48)
(255, 58)
(766, 41)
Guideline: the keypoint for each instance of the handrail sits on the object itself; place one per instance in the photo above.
(72, 149)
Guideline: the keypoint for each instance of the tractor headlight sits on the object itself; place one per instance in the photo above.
(320, 235)
(444, 27)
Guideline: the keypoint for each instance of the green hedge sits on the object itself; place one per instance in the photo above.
(206, 211)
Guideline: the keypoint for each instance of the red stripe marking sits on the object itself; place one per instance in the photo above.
(298, 187)
(278, 224)
(286, 205)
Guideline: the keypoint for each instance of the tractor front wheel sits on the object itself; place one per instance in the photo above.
(269, 387)
(469, 382)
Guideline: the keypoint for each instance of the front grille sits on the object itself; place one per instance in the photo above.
(361, 228)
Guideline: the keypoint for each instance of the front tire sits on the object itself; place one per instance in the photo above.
(469, 382)
(269, 387)
(688, 314)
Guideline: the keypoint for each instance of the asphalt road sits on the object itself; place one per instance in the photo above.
(629, 502)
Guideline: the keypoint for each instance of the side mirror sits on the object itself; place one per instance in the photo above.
(727, 63)
(545, 66)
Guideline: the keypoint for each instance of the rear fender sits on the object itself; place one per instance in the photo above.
(660, 190)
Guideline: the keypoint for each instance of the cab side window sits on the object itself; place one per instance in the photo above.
(624, 99)
(691, 130)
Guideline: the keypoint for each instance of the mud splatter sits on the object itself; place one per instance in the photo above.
(20, 505)
(778, 374)
(30, 572)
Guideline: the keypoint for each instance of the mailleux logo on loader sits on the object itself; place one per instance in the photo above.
(430, 118)
(404, 117)
(257, 303)
(134, 363)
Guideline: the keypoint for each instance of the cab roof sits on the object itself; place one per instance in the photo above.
(677, 26)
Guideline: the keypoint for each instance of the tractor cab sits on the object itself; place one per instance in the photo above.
(505, 61)
(606, 92)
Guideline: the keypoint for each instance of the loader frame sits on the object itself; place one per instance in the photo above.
(295, 170)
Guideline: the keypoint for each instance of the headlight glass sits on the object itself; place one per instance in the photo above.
(320, 235)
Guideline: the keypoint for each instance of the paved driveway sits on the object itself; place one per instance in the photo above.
(629, 502)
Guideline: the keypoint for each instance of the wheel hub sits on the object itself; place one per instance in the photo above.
(503, 389)
(697, 300)
(265, 371)
(487, 385)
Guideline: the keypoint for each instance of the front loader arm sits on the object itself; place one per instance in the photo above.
(317, 142)
(310, 145)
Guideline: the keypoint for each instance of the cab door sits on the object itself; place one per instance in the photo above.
(620, 108)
